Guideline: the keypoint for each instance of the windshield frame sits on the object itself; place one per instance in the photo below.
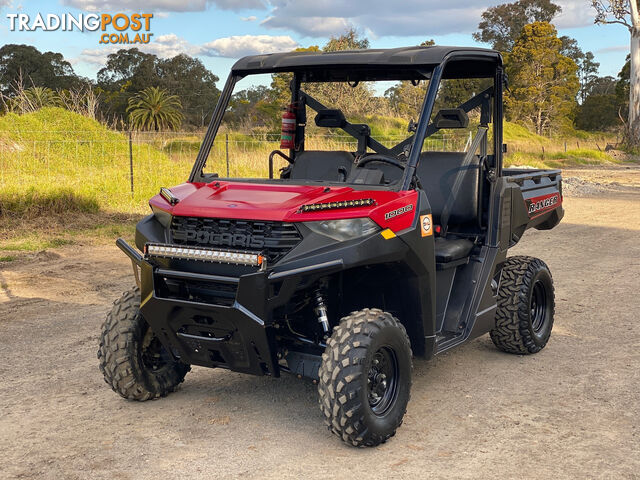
(435, 75)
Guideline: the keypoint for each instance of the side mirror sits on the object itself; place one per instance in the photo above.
(451, 118)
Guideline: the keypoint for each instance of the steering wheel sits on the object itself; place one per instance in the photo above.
(379, 157)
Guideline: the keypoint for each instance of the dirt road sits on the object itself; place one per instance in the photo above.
(571, 411)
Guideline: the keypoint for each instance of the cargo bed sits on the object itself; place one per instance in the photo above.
(537, 202)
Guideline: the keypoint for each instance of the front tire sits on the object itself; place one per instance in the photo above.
(524, 318)
(132, 359)
(365, 378)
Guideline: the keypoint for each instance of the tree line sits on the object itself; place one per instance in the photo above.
(554, 86)
(181, 88)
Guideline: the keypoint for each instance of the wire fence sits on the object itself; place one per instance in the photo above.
(122, 170)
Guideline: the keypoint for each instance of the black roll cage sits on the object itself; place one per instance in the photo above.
(424, 128)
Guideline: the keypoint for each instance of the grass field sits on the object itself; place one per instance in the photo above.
(76, 173)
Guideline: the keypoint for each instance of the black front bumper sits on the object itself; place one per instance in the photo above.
(237, 336)
(232, 328)
(211, 335)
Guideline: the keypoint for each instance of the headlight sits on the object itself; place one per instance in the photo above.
(343, 230)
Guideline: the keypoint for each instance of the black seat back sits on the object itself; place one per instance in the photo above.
(319, 165)
(437, 173)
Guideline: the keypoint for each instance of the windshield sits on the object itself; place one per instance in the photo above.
(280, 128)
(251, 128)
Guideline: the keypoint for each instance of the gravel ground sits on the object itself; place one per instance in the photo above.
(572, 411)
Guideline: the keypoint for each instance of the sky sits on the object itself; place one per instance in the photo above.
(218, 32)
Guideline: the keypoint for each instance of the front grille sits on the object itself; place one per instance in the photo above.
(273, 239)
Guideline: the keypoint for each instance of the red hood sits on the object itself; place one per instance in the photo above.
(277, 202)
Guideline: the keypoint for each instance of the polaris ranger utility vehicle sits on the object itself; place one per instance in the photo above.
(348, 262)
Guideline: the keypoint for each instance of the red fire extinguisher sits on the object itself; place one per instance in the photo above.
(288, 134)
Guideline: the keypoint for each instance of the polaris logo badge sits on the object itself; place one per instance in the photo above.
(540, 204)
(399, 211)
(220, 239)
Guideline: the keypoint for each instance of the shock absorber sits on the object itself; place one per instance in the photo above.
(321, 312)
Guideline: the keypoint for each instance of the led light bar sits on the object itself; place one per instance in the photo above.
(204, 254)
(363, 202)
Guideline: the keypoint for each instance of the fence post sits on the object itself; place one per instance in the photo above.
(226, 149)
(543, 152)
(131, 162)
(565, 146)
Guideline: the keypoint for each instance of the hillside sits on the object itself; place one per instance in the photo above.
(56, 159)
(583, 148)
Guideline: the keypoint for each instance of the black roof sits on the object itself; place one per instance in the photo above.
(395, 63)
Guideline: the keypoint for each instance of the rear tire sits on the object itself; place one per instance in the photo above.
(132, 359)
(524, 318)
(365, 378)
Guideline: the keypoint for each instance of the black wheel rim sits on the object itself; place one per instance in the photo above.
(153, 354)
(382, 380)
(538, 307)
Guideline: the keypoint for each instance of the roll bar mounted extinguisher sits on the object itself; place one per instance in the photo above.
(288, 133)
(287, 138)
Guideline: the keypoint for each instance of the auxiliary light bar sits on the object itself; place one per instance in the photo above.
(364, 202)
(204, 254)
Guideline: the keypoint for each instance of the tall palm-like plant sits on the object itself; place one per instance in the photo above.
(41, 97)
(154, 109)
(32, 99)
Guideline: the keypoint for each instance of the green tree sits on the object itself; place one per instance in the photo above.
(598, 112)
(543, 82)
(602, 86)
(154, 109)
(190, 80)
(128, 66)
(125, 73)
(627, 13)
(252, 108)
(405, 98)
(350, 40)
(27, 66)
(502, 25)
(587, 67)
(353, 100)
(129, 71)
(587, 73)
(280, 92)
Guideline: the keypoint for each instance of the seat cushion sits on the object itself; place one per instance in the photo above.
(450, 250)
